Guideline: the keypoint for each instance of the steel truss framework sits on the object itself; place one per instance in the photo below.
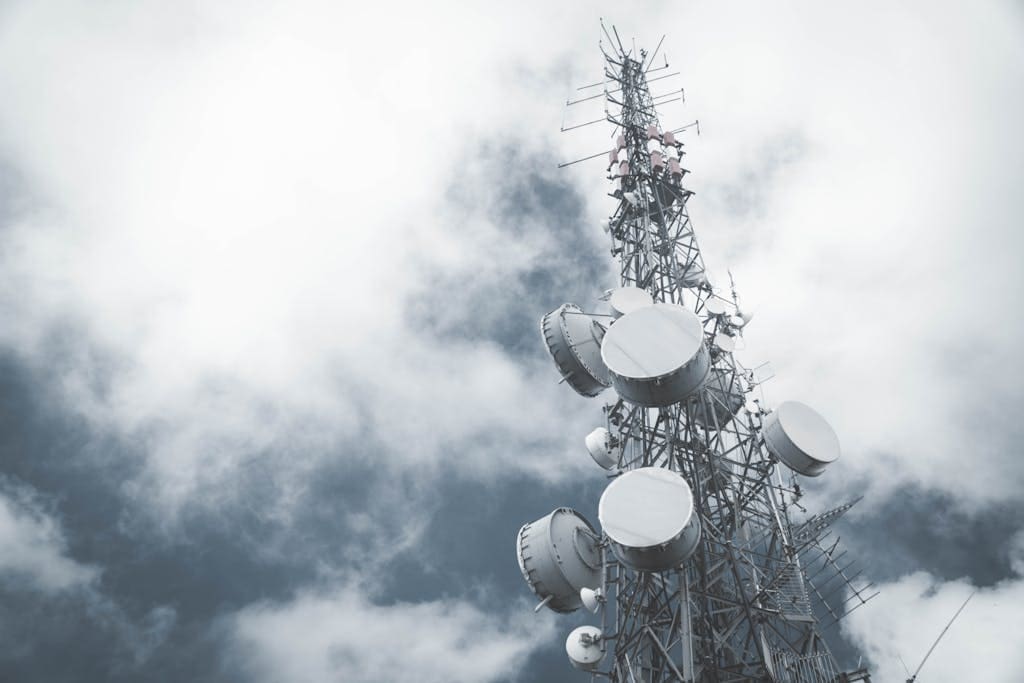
(752, 603)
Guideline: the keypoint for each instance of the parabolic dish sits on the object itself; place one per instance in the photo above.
(725, 343)
(627, 299)
(648, 515)
(558, 555)
(656, 355)
(573, 339)
(598, 443)
(714, 306)
(800, 438)
(584, 647)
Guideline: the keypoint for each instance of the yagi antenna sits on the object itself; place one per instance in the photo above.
(655, 53)
(932, 648)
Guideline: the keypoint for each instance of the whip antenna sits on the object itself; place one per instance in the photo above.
(932, 648)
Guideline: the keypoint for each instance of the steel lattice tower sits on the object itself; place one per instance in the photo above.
(752, 601)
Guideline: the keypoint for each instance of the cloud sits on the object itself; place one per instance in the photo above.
(910, 614)
(233, 230)
(866, 204)
(41, 583)
(35, 550)
(342, 634)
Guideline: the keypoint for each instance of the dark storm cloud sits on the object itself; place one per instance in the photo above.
(926, 530)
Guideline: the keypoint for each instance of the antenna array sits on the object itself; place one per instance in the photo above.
(698, 572)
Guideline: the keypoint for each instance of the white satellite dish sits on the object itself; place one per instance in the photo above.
(599, 445)
(631, 198)
(584, 648)
(800, 438)
(592, 598)
(558, 555)
(627, 299)
(724, 342)
(656, 355)
(715, 306)
(649, 518)
(573, 339)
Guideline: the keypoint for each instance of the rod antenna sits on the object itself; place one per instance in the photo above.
(932, 648)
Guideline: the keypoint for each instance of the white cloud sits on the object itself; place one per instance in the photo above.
(34, 548)
(852, 171)
(984, 643)
(342, 635)
(238, 216)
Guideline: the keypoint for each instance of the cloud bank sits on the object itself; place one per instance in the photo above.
(362, 642)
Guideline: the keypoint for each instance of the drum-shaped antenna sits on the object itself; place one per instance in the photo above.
(656, 355)
(800, 438)
(599, 445)
(558, 555)
(584, 647)
(714, 306)
(573, 339)
(627, 299)
(725, 343)
(649, 518)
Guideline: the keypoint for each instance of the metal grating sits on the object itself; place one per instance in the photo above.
(791, 595)
(814, 668)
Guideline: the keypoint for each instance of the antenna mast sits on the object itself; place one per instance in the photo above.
(932, 648)
(698, 574)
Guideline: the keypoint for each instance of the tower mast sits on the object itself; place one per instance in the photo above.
(703, 574)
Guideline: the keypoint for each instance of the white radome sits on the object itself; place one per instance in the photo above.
(628, 299)
(584, 647)
(598, 443)
(800, 438)
(656, 355)
(649, 518)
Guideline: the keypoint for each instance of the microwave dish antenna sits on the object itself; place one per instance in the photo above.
(623, 300)
(573, 339)
(656, 355)
(559, 555)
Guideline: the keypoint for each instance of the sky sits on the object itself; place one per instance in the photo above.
(273, 403)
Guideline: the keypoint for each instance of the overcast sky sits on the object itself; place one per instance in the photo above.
(273, 403)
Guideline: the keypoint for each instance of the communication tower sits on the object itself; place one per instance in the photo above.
(701, 569)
